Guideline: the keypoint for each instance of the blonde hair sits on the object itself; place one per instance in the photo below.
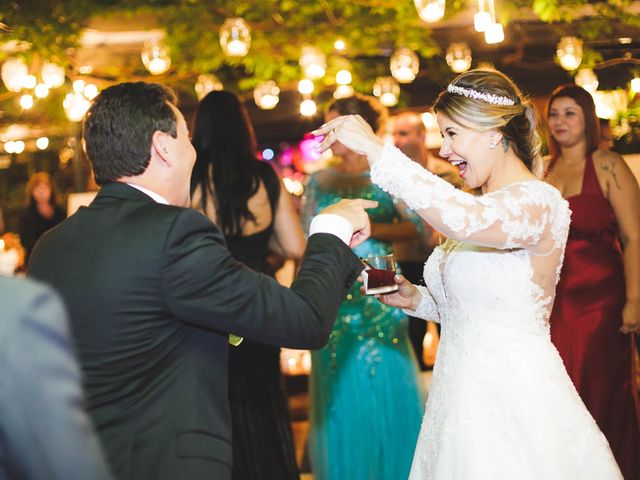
(516, 122)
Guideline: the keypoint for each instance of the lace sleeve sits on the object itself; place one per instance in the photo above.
(530, 214)
(427, 310)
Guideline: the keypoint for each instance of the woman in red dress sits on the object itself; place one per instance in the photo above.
(597, 306)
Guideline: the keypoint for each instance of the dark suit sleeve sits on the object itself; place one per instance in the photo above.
(205, 286)
(46, 431)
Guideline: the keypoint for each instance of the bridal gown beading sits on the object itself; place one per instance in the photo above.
(501, 405)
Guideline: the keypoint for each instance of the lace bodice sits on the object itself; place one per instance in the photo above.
(505, 249)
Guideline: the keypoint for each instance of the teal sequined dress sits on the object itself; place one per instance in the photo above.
(366, 402)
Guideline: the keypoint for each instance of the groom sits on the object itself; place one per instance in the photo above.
(153, 292)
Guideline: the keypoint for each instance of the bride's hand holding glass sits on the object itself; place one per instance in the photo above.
(407, 296)
(353, 132)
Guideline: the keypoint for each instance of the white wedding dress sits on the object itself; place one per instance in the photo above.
(501, 405)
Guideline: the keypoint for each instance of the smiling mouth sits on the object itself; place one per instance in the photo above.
(461, 164)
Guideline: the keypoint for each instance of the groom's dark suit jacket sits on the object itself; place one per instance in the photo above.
(153, 292)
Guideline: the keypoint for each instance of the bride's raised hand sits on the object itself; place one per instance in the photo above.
(352, 132)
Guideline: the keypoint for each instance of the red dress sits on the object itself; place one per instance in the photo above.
(586, 318)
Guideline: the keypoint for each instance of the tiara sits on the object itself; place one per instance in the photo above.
(485, 97)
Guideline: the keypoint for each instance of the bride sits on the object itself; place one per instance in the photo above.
(501, 405)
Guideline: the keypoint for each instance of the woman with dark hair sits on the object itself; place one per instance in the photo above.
(42, 212)
(597, 305)
(247, 200)
(501, 404)
(365, 397)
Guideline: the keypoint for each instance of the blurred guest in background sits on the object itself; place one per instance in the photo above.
(247, 200)
(597, 304)
(42, 211)
(409, 135)
(366, 402)
(606, 135)
(46, 433)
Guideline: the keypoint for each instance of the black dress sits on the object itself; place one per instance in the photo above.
(33, 225)
(262, 441)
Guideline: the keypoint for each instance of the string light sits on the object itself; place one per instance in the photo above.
(430, 10)
(569, 52)
(155, 57)
(207, 83)
(235, 37)
(266, 95)
(404, 65)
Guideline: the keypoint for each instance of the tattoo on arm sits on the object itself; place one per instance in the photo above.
(611, 168)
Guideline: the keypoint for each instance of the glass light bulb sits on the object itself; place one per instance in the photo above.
(430, 10)
(206, 83)
(343, 77)
(26, 101)
(404, 65)
(313, 62)
(42, 143)
(305, 86)
(494, 33)
(155, 57)
(266, 95)
(14, 72)
(308, 108)
(481, 21)
(41, 90)
(52, 75)
(569, 52)
(235, 37)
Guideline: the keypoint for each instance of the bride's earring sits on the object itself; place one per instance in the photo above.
(492, 146)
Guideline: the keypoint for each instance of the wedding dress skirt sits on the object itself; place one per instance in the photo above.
(501, 405)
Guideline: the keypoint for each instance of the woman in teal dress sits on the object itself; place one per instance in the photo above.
(366, 399)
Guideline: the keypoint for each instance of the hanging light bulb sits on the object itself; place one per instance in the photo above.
(78, 86)
(404, 65)
(90, 91)
(340, 45)
(305, 86)
(155, 57)
(42, 143)
(430, 10)
(343, 77)
(494, 33)
(387, 90)
(75, 106)
(14, 71)
(308, 108)
(266, 95)
(459, 57)
(343, 91)
(235, 37)
(30, 81)
(41, 90)
(26, 101)
(587, 79)
(52, 75)
(313, 62)
(207, 83)
(482, 19)
(18, 146)
(635, 84)
(569, 52)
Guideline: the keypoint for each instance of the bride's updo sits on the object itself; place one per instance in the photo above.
(483, 100)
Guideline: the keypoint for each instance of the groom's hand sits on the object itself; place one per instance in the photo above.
(353, 210)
